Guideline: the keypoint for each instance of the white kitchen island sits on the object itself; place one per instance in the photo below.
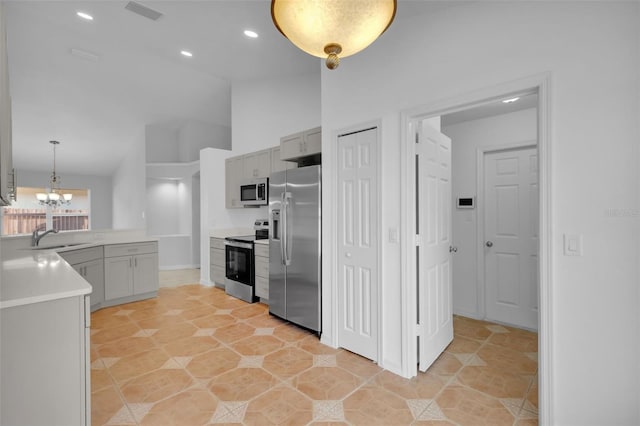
(45, 304)
(45, 366)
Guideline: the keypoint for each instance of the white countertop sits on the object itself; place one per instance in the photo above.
(39, 276)
(32, 276)
(264, 241)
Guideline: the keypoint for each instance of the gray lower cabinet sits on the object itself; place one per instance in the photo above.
(89, 263)
(131, 270)
(262, 270)
(45, 363)
(217, 261)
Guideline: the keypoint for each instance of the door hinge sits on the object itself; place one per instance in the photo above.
(419, 329)
(418, 240)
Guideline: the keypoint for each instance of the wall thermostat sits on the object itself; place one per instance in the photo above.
(466, 203)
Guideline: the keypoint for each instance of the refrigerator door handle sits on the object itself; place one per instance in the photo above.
(287, 197)
(283, 229)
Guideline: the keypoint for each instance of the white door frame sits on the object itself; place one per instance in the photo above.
(542, 84)
(330, 337)
(480, 196)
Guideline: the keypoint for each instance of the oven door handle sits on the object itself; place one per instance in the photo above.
(238, 244)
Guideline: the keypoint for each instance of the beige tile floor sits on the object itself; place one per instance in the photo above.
(194, 356)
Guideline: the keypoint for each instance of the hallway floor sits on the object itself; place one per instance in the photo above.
(194, 356)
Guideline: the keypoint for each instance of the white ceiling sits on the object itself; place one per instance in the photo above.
(98, 109)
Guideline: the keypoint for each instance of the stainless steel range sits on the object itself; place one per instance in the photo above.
(239, 261)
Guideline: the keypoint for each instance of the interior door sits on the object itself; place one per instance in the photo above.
(511, 236)
(435, 313)
(358, 243)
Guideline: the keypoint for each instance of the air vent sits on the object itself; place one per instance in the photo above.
(141, 10)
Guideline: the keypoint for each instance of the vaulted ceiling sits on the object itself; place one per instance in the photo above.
(127, 71)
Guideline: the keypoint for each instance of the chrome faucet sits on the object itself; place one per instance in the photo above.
(36, 237)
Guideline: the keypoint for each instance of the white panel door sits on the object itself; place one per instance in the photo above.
(435, 314)
(358, 243)
(511, 237)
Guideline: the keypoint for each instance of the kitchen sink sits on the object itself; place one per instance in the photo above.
(57, 246)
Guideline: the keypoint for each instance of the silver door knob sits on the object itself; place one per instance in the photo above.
(453, 249)
(489, 244)
(347, 254)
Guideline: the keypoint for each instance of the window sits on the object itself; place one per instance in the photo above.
(26, 214)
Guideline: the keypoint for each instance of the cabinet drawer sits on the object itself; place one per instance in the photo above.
(262, 250)
(114, 250)
(262, 287)
(262, 267)
(217, 243)
(74, 257)
(217, 258)
(217, 274)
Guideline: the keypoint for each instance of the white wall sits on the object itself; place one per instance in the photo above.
(161, 143)
(196, 135)
(170, 215)
(164, 202)
(264, 111)
(129, 188)
(171, 144)
(99, 186)
(467, 137)
(591, 51)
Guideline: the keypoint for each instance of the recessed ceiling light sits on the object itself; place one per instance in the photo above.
(85, 16)
(251, 34)
(511, 100)
(186, 53)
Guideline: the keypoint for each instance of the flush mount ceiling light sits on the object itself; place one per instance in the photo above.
(511, 100)
(186, 53)
(330, 28)
(251, 34)
(54, 196)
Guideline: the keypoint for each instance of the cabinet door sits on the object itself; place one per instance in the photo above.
(313, 141)
(118, 277)
(233, 177)
(277, 165)
(94, 274)
(291, 146)
(257, 165)
(145, 275)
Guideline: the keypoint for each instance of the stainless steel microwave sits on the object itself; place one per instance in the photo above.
(255, 192)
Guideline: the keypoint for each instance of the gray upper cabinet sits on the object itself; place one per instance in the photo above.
(278, 165)
(302, 144)
(257, 164)
(7, 177)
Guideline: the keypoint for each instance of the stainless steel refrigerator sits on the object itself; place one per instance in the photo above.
(294, 246)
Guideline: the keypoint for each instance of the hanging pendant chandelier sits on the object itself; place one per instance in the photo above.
(332, 28)
(54, 196)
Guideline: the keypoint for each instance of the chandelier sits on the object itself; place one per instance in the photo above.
(54, 197)
(325, 28)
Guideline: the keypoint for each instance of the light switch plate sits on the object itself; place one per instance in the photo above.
(572, 245)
